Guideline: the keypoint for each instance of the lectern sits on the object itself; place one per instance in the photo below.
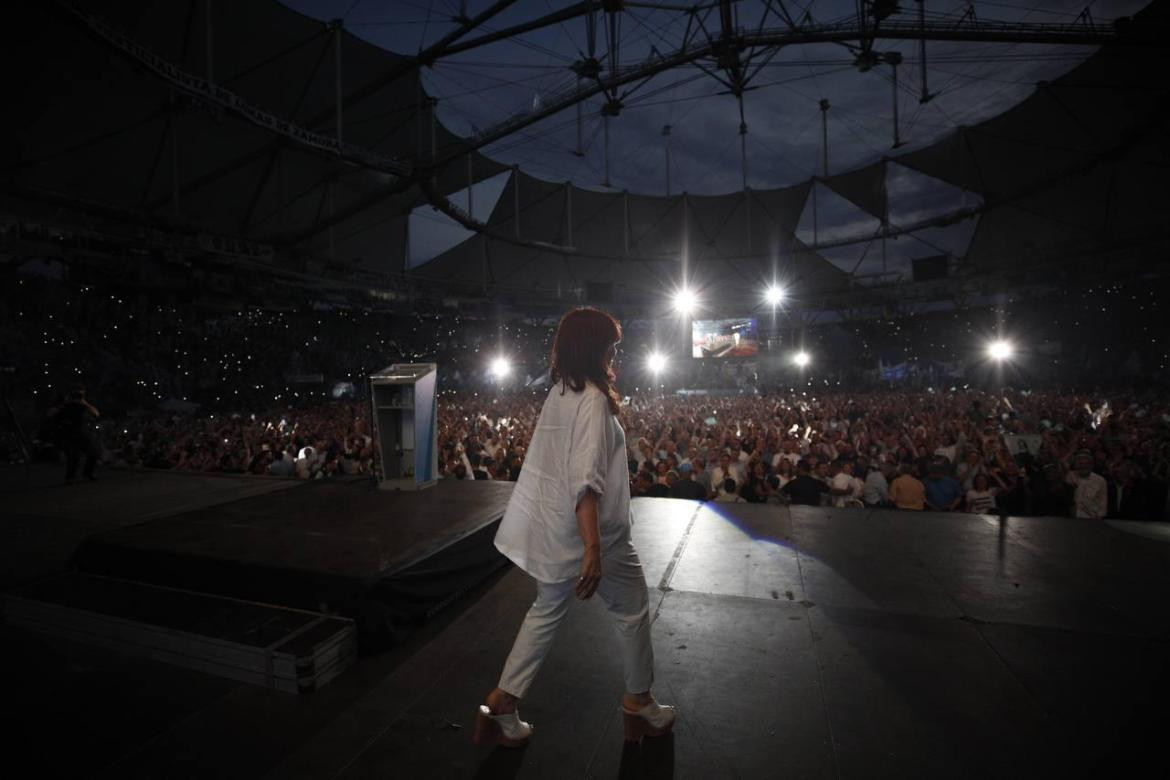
(406, 425)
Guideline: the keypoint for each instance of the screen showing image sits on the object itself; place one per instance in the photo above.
(731, 338)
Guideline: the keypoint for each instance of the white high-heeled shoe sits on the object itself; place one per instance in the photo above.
(653, 720)
(508, 729)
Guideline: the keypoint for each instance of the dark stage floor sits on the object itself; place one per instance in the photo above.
(43, 521)
(348, 529)
(797, 643)
(384, 559)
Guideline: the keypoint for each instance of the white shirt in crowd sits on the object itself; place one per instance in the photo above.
(704, 478)
(843, 481)
(1090, 494)
(466, 465)
(791, 457)
(980, 501)
(284, 466)
(577, 444)
(729, 498)
(305, 463)
(947, 452)
(877, 487)
(719, 475)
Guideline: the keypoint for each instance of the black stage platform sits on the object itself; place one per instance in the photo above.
(44, 521)
(811, 643)
(386, 559)
(797, 643)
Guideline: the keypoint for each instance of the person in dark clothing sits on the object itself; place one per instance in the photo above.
(480, 466)
(756, 489)
(1052, 496)
(658, 490)
(1132, 497)
(76, 436)
(686, 486)
(648, 487)
(1014, 494)
(805, 489)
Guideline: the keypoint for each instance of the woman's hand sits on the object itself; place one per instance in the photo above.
(590, 573)
(587, 524)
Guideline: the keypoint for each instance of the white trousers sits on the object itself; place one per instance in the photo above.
(623, 591)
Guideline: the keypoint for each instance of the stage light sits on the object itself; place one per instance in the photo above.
(685, 301)
(656, 362)
(500, 368)
(774, 295)
(801, 359)
(999, 350)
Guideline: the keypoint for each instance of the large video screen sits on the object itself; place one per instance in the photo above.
(730, 338)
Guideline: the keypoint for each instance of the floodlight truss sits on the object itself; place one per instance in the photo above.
(734, 56)
(729, 53)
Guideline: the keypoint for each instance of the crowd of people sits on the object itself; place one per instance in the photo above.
(266, 389)
(308, 443)
(313, 442)
(1014, 453)
(144, 352)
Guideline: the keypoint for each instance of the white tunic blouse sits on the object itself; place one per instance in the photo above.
(577, 444)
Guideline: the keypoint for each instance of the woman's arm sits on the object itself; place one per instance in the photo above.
(587, 526)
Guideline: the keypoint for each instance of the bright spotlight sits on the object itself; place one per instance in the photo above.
(774, 295)
(500, 368)
(999, 350)
(685, 301)
(801, 359)
(656, 362)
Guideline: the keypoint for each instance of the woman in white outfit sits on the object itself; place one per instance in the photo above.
(568, 525)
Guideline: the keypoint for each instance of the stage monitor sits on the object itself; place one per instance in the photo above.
(730, 338)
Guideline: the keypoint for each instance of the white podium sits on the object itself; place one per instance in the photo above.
(406, 425)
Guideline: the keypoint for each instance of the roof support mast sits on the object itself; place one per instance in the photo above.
(895, 59)
(824, 104)
(613, 103)
(588, 68)
(924, 96)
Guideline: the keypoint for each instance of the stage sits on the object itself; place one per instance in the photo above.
(811, 642)
(385, 559)
(45, 521)
(796, 642)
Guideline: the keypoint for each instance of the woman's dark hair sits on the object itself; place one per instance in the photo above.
(578, 352)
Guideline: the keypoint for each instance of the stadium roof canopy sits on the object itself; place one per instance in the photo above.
(254, 121)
